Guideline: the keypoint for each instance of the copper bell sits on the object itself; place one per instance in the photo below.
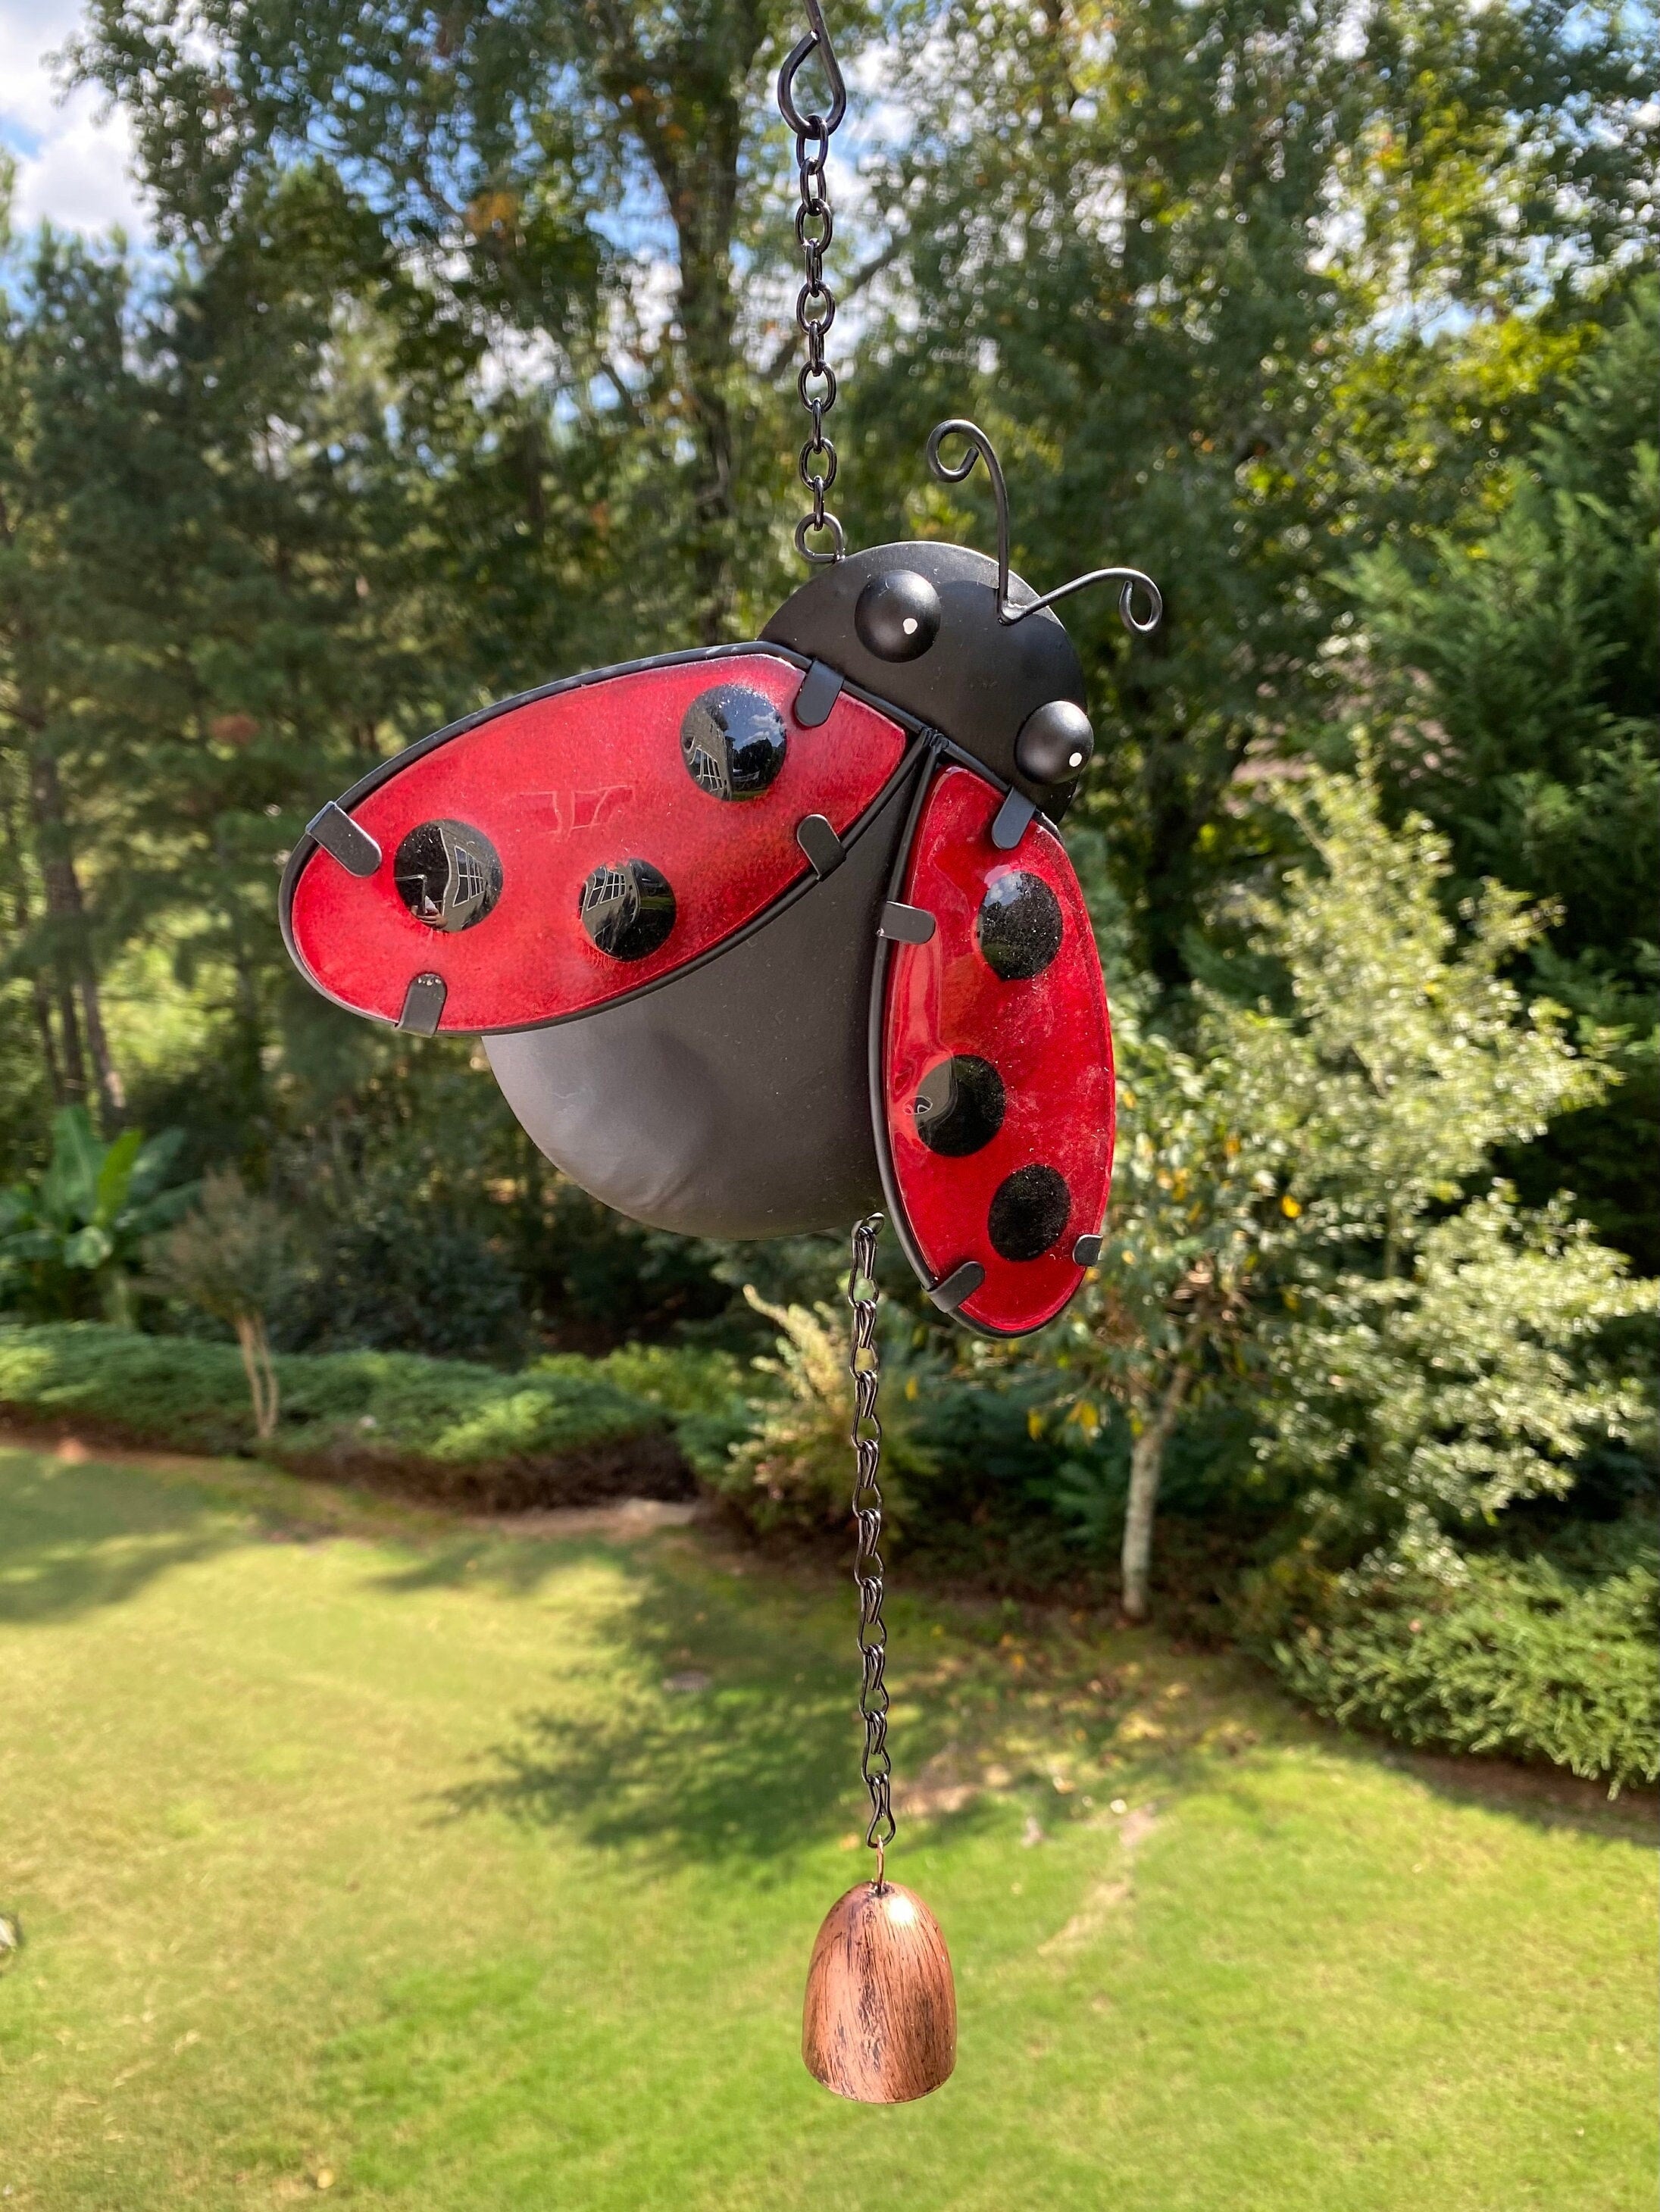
(880, 2021)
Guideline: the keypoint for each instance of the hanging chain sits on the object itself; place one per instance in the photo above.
(864, 1366)
(815, 304)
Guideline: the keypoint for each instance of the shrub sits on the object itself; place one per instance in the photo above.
(560, 1435)
(1548, 1656)
(83, 1222)
(392, 1272)
(700, 1390)
(232, 1260)
(793, 1469)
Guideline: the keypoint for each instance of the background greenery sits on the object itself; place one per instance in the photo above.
(460, 360)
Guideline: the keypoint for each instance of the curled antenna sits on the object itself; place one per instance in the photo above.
(980, 448)
(814, 125)
(1130, 578)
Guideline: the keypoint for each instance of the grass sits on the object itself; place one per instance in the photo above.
(352, 1846)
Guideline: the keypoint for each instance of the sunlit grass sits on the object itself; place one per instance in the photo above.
(351, 1843)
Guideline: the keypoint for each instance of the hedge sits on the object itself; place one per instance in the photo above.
(1533, 1658)
(564, 1432)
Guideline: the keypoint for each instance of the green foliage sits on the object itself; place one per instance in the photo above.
(1302, 1213)
(795, 1469)
(438, 1426)
(232, 1256)
(1436, 1350)
(1531, 1657)
(392, 1273)
(1441, 1395)
(1249, 290)
(84, 1222)
(1405, 1054)
(1513, 675)
(701, 1391)
(1521, 661)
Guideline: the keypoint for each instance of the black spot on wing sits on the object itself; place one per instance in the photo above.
(733, 740)
(959, 1104)
(1029, 1210)
(628, 909)
(1018, 928)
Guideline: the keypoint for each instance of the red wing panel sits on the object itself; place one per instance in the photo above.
(567, 851)
(997, 1061)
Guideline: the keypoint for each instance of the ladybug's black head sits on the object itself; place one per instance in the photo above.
(956, 640)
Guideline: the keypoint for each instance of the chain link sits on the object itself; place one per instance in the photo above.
(864, 1366)
(815, 311)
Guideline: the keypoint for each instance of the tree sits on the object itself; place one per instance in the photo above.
(1316, 1172)
(1243, 288)
(194, 637)
(517, 173)
(233, 1258)
(1413, 1405)
(1437, 1351)
(1195, 1215)
(1509, 679)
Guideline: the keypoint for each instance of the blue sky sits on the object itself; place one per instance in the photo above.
(72, 167)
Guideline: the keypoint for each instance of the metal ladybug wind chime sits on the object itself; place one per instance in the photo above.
(761, 937)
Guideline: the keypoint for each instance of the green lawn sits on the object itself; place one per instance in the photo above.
(354, 1847)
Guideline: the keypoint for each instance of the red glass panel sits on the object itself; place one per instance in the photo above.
(1039, 1179)
(584, 779)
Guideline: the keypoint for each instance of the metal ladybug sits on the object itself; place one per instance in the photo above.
(760, 935)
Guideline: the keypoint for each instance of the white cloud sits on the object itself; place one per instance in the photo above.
(73, 163)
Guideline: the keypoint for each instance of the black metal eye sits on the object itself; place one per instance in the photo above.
(628, 909)
(1029, 1210)
(959, 1105)
(732, 741)
(896, 615)
(1018, 928)
(448, 874)
(1055, 743)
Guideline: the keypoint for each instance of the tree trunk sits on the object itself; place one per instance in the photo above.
(39, 990)
(60, 1096)
(67, 908)
(69, 1026)
(686, 104)
(117, 1297)
(256, 1364)
(1146, 1465)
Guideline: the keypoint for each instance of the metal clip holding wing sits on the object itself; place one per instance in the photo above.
(980, 447)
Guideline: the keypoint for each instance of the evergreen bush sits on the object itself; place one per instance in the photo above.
(560, 1434)
(1550, 1655)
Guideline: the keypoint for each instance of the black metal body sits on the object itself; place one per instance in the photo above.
(979, 679)
(732, 1100)
(735, 1098)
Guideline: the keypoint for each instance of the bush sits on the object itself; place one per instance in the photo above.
(393, 1273)
(700, 1390)
(1550, 1656)
(564, 1433)
(792, 1467)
